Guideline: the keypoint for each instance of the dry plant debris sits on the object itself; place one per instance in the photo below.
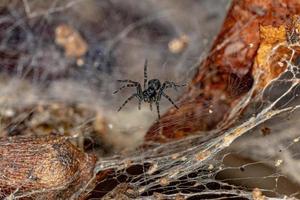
(86, 126)
(72, 42)
(44, 167)
(246, 51)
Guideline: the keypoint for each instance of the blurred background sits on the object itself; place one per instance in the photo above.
(73, 52)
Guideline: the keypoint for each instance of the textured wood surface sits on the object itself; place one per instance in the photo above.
(46, 167)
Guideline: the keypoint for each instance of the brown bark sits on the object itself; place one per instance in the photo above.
(228, 71)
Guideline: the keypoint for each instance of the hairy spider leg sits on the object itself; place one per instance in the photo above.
(169, 84)
(125, 86)
(128, 81)
(169, 98)
(127, 100)
(157, 108)
(140, 102)
(150, 106)
(145, 74)
(132, 84)
(138, 94)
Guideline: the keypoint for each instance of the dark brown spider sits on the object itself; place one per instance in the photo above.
(153, 90)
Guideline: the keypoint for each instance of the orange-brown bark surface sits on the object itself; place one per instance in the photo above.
(250, 30)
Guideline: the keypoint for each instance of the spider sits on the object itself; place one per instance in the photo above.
(153, 90)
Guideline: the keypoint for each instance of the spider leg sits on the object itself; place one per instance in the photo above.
(139, 91)
(169, 98)
(127, 100)
(157, 108)
(125, 86)
(145, 74)
(140, 101)
(169, 84)
(128, 81)
(151, 106)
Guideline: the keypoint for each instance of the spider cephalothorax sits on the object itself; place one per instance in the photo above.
(153, 90)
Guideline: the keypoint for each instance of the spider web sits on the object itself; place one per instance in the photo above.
(45, 89)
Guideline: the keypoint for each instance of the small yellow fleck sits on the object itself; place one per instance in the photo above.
(152, 169)
(177, 45)
(164, 181)
(202, 155)
(257, 194)
(278, 163)
(280, 64)
(210, 167)
(80, 62)
(110, 126)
